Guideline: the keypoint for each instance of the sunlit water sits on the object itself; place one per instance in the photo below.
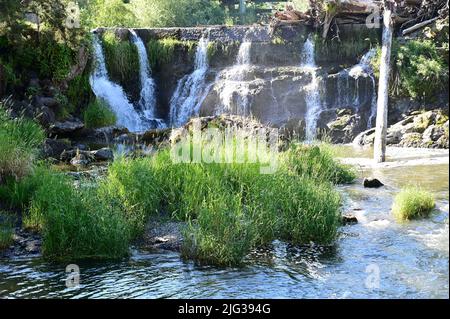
(411, 259)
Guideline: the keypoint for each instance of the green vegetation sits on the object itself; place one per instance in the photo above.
(419, 69)
(345, 47)
(229, 208)
(98, 114)
(161, 52)
(411, 203)
(75, 222)
(6, 233)
(122, 59)
(20, 139)
(318, 163)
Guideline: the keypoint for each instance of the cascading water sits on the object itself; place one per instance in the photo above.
(361, 70)
(313, 104)
(113, 93)
(233, 82)
(187, 99)
(147, 101)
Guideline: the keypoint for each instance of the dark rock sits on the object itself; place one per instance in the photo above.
(348, 219)
(103, 154)
(67, 127)
(155, 136)
(45, 116)
(372, 183)
(54, 148)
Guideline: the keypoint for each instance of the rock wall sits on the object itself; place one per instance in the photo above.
(275, 84)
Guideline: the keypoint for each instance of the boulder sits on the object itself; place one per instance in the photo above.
(54, 147)
(348, 219)
(372, 183)
(103, 154)
(344, 128)
(67, 127)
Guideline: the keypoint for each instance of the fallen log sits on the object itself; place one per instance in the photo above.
(418, 26)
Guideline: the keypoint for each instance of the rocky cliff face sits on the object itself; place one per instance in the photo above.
(273, 84)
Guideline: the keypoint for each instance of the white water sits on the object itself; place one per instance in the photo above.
(113, 93)
(361, 70)
(147, 101)
(313, 105)
(234, 92)
(186, 100)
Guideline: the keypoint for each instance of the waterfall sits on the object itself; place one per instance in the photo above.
(233, 82)
(364, 69)
(113, 93)
(361, 70)
(147, 101)
(313, 105)
(186, 100)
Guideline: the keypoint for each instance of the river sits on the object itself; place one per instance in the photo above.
(376, 258)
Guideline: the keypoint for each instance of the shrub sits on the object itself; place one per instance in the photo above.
(98, 114)
(411, 203)
(419, 69)
(20, 139)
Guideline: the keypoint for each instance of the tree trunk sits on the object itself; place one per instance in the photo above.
(383, 87)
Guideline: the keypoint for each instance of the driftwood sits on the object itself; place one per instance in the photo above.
(418, 26)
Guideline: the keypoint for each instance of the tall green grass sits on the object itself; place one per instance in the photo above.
(76, 222)
(6, 233)
(232, 208)
(411, 203)
(20, 139)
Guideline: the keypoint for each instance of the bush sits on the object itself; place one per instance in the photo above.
(20, 139)
(411, 203)
(419, 69)
(98, 114)
(178, 13)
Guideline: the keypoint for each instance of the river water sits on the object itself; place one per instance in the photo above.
(376, 258)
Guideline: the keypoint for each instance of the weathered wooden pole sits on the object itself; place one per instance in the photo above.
(242, 8)
(383, 86)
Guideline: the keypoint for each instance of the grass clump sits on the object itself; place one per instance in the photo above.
(231, 208)
(20, 139)
(6, 233)
(76, 222)
(98, 114)
(412, 203)
(317, 162)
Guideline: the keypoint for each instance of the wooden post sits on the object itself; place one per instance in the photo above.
(383, 86)
(242, 8)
